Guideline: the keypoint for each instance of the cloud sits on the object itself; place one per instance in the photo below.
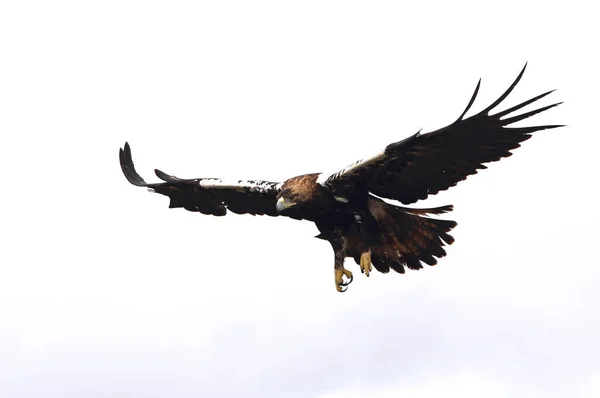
(467, 384)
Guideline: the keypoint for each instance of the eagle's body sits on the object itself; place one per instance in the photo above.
(346, 206)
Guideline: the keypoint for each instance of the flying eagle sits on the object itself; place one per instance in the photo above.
(348, 207)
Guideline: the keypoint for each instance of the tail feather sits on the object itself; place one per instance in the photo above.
(431, 210)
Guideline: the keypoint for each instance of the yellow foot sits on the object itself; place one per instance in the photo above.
(365, 263)
(339, 281)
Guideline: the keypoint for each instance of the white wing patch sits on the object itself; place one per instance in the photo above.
(326, 178)
(239, 185)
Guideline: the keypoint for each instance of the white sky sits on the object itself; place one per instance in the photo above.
(104, 291)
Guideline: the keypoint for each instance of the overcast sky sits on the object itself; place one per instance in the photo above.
(105, 292)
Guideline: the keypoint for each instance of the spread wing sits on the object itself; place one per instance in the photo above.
(425, 164)
(208, 195)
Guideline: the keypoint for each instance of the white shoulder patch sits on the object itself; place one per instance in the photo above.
(322, 178)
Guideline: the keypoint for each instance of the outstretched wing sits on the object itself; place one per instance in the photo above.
(425, 164)
(208, 195)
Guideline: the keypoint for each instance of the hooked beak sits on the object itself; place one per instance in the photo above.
(282, 204)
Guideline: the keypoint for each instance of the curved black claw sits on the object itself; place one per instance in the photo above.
(339, 279)
(347, 283)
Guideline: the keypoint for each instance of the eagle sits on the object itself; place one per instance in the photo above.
(351, 207)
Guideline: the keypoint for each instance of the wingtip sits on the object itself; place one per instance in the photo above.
(521, 73)
(127, 149)
(128, 167)
(555, 126)
(507, 92)
(525, 115)
(161, 174)
(471, 101)
(165, 177)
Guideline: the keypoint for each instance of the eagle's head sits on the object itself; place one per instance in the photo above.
(297, 192)
(286, 200)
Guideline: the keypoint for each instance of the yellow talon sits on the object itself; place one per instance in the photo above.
(339, 280)
(365, 263)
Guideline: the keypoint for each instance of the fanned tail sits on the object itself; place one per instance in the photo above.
(407, 237)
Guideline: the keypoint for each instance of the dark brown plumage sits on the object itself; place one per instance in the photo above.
(346, 206)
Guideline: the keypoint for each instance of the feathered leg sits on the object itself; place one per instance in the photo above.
(338, 243)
